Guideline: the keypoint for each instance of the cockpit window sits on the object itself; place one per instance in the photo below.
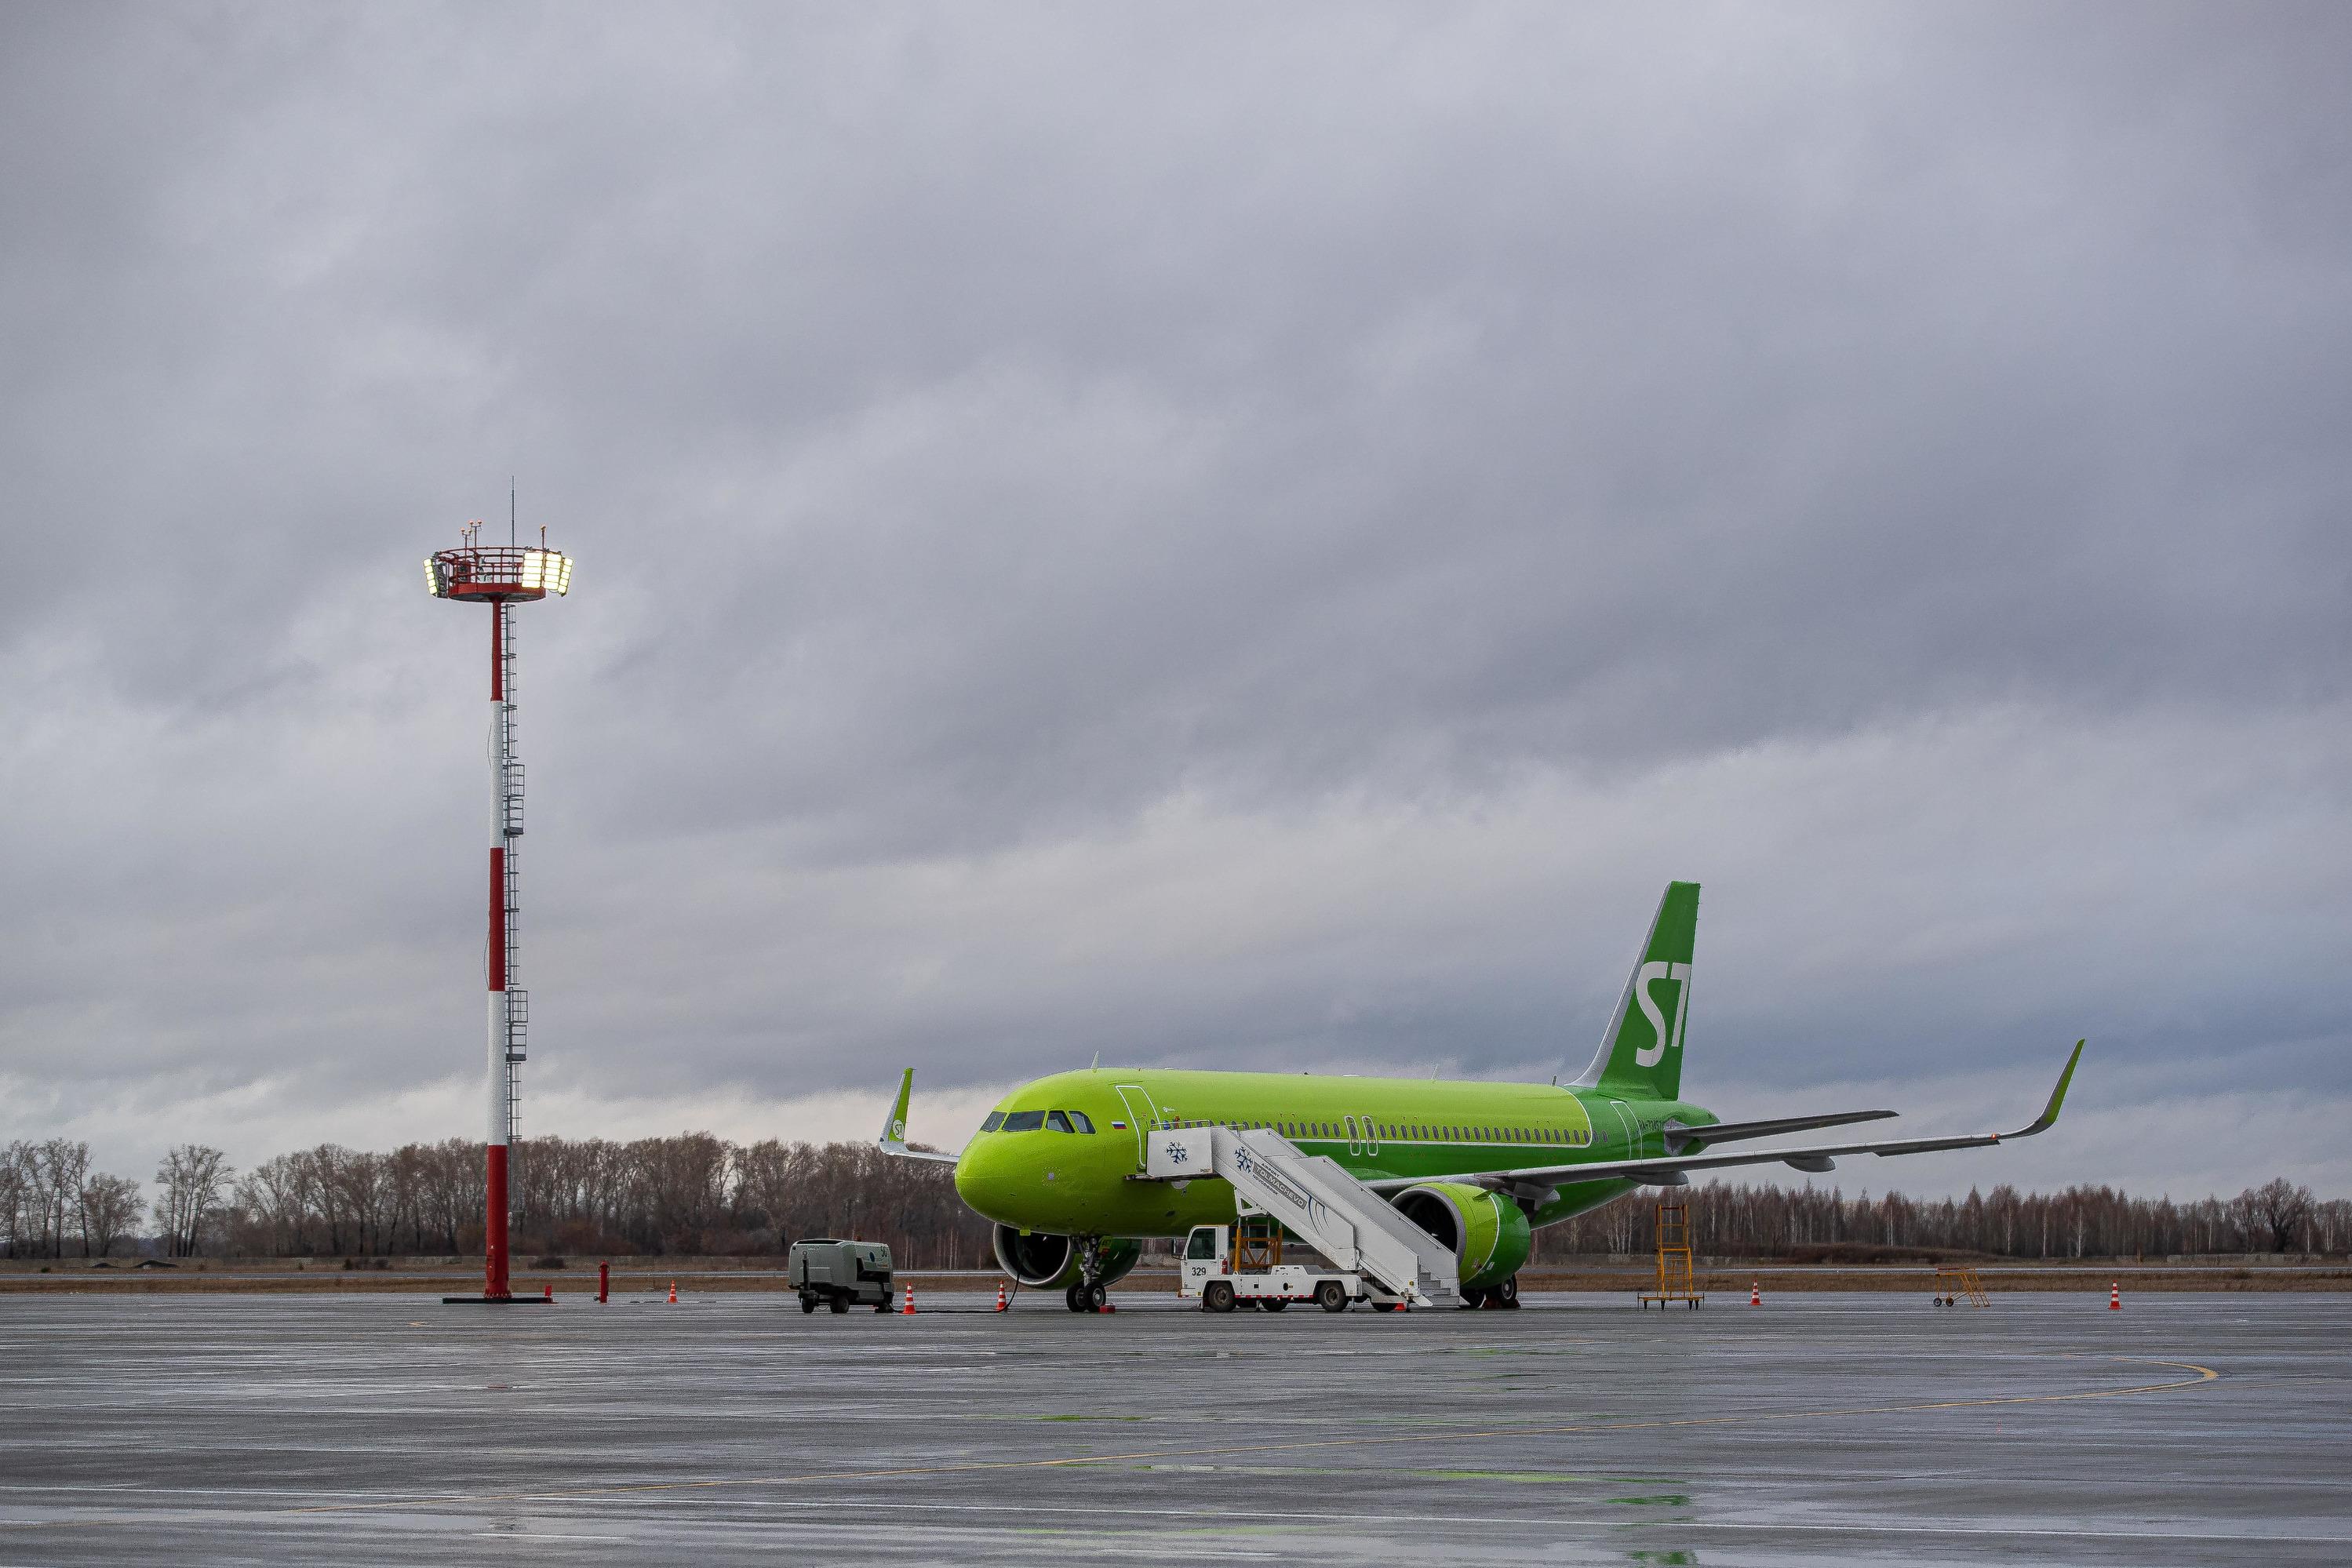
(1056, 1123)
(1022, 1121)
(1082, 1122)
(995, 1119)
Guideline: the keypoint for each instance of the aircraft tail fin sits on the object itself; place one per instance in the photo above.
(1641, 1056)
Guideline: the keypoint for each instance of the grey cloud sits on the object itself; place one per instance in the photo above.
(986, 434)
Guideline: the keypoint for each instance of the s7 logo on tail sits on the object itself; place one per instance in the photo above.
(1660, 1034)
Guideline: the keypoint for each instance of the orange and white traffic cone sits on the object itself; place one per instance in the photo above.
(673, 1292)
(2116, 1297)
(909, 1310)
(1001, 1302)
(1755, 1292)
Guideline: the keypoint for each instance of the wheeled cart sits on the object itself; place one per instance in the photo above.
(840, 1275)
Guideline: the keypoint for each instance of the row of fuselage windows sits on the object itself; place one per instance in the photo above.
(1420, 1132)
(1077, 1122)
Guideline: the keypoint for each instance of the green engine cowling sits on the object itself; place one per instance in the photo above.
(1487, 1232)
(1047, 1262)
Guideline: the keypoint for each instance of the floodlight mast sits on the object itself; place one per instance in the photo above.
(501, 576)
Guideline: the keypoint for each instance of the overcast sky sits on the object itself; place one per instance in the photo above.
(1223, 536)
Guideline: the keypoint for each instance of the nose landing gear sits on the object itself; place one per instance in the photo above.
(1088, 1293)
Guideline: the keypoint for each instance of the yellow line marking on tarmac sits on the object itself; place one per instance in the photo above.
(623, 1489)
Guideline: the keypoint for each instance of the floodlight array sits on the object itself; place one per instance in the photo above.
(546, 569)
(493, 571)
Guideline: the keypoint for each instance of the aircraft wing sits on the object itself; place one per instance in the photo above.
(1679, 1137)
(1669, 1170)
(893, 1129)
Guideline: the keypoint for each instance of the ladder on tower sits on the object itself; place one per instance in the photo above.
(1675, 1282)
(1314, 1199)
(517, 999)
(509, 824)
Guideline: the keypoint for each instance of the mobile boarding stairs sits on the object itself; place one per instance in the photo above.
(1315, 1201)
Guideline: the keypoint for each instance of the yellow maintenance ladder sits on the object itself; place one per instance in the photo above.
(1953, 1281)
(1675, 1280)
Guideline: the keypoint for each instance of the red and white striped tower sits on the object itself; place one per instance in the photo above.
(501, 576)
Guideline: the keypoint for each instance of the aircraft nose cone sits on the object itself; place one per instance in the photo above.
(982, 1180)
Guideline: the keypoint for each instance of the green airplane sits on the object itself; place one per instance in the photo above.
(1059, 1165)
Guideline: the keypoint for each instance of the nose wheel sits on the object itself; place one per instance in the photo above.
(1089, 1294)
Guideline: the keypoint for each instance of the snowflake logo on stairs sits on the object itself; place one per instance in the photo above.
(1177, 1155)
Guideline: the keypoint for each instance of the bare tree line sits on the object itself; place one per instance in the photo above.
(690, 1193)
(698, 1194)
(1730, 1221)
(48, 1196)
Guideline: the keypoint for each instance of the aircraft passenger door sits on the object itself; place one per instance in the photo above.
(1372, 1136)
(1632, 1129)
(1140, 1112)
(1355, 1143)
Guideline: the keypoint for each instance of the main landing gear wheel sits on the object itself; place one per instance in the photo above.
(1096, 1296)
(1331, 1296)
(1505, 1295)
(1217, 1296)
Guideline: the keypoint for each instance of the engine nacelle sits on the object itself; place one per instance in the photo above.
(1487, 1232)
(1044, 1262)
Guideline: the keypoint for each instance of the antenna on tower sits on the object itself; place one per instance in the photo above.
(510, 508)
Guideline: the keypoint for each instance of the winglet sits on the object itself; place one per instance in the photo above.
(894, 1131)
(2049, 1116)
